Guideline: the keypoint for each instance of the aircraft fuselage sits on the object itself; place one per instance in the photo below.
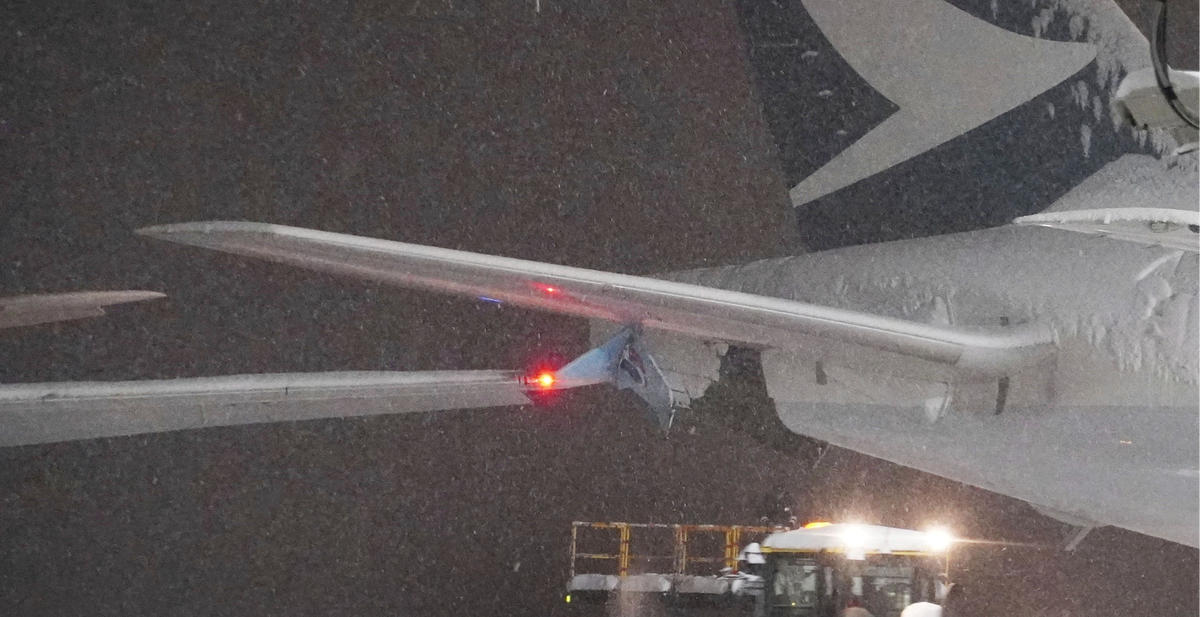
(1105, 430)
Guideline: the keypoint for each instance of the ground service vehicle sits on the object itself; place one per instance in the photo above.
(821, 570)
(825, 569)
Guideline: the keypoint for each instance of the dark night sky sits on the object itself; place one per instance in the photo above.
(629, 136)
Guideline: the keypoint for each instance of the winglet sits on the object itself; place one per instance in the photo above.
(625, 363)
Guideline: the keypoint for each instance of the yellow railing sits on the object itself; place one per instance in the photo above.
(681, 557)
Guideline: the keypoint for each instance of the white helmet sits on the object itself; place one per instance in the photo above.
(752, 554)
(922, 609)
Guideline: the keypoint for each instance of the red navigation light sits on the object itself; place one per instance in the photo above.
(548, 289)
(541, 378)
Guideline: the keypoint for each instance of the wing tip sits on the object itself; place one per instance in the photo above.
(80, 298)
(171, 231)
(130, 295)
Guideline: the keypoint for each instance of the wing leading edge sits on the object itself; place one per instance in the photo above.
(867, 341)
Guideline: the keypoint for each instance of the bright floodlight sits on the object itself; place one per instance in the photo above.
(939, 539)
(855, 536)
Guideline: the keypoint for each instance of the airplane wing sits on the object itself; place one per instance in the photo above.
(865, 340)
(1137, 198)
(46, 308)
(51, 412)
(40, 413)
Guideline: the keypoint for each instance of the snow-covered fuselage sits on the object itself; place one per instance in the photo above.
(1105, 430)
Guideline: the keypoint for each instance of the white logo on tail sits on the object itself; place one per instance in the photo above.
(947, 70)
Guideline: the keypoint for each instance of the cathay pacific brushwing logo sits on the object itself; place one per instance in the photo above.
(946, 70)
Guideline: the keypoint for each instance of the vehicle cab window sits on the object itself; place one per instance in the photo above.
(797, 587)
